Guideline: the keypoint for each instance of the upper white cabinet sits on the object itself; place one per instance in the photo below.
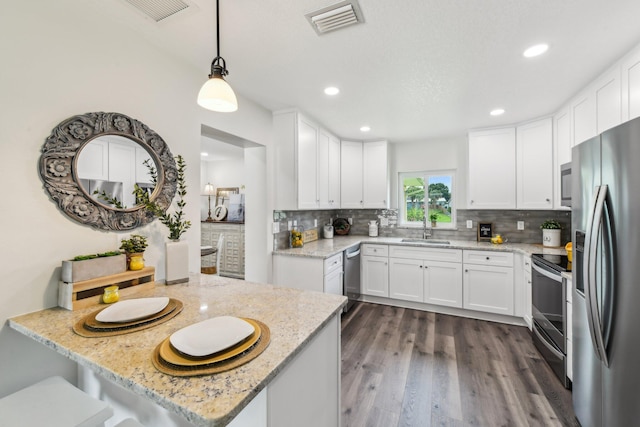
(608, 100)
(534, 149)
(492, 169)
(307, 163)
(583, 111)
(630, 70)
(364, 175)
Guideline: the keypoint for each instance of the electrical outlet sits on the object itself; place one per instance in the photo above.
(350, 221)
(289, 225)
(315, 222)
(276, 227)
(520, 225)
(469, 223)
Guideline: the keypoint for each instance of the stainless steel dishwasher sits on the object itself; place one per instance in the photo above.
(352, 275)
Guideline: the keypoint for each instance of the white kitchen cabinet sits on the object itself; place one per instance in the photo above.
(562, 149)
(306, 163)
(333, 275)
(429, 275)
(607, 97)
(351, 178)
(583, 110)
(311, 274)
(374, 270)
(93, 162)
(364, 175)
(534, 149)
(492, 169)
(630, 70)
(488, 283)
(526, 282)
(406, 279)
(122, 168)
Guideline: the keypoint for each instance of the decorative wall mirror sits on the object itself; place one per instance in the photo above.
(90, 163)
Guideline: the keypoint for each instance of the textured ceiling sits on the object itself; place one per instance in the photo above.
(415, 70)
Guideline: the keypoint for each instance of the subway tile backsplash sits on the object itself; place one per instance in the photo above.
(504, 223)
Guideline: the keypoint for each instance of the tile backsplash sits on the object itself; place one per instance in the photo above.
(504, 223)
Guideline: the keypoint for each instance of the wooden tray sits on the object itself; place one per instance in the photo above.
(214, 368)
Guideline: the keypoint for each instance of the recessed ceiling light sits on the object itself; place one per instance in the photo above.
(535, 50)
(365, 129)
(332, 90)
(497, 112)
(203, 154)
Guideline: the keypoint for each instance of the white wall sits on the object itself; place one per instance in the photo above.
(60, 59)
(439, 154)
(221, 174)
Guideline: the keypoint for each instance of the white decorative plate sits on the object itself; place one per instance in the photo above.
(211, 335)
(132, 309)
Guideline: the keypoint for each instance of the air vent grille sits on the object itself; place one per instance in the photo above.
(159, 9)
(335, 16)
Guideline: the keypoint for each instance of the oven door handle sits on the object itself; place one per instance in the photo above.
(544, 341)
(546, 273)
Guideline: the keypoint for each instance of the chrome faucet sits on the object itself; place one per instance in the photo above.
(426, 231)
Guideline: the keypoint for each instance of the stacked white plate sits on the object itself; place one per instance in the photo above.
(132, 309)
(211, 336)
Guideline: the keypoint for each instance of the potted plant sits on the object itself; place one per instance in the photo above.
(433, 217)
(134, 248)
(85, 267)
(551, 230)
(177, 252)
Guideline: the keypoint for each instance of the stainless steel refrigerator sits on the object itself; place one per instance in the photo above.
(606, 291)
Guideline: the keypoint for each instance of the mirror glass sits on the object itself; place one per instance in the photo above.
(91, 162)
(110, 166)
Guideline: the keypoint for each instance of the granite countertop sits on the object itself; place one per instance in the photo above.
(324, 248)
(293, 316)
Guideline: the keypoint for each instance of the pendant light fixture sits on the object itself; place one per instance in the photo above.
(216, 94)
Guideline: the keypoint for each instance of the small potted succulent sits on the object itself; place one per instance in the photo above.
(434, 219)
(551, 230)
(86, 267)
(134, 247)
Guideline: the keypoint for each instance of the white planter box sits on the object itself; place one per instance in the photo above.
(550, 237)
(77, 271)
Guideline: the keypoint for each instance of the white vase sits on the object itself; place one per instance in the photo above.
(551, 237)
(177, 262)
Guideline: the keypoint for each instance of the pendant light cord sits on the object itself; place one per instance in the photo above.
(218, 27)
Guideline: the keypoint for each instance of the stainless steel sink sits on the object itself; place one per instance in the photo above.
(427, 241)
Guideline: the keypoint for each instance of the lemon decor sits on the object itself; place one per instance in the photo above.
(296, 238)
(111, 294)
(497, 239)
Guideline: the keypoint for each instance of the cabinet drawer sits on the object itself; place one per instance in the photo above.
(375, 250)
(498, 259)
(333, 263)
(430, 254)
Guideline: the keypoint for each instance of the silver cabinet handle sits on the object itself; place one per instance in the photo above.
(488, 258)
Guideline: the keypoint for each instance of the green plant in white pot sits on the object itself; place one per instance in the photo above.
(551, 230)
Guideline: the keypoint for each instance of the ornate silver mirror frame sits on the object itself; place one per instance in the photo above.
(59, 165)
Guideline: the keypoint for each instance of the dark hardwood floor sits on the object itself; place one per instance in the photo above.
(404, 367)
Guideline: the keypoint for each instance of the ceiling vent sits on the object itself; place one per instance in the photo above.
(159, 9)
(336, 16)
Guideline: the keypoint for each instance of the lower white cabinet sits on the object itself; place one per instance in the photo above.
(375, 275)
(443, 283)
(406, 279)
(310, 274)
(333, 275)
(488, 288)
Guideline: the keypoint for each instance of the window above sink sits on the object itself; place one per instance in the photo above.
(434, 190)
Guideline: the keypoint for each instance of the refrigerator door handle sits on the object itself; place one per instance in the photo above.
(593, 303)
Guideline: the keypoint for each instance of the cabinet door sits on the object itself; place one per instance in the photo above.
(488, 288)
(323, 170)
(122, 168)
(608, 100)
(307, 165)
(534, 148)
(375, 182)
(528, 318)
(142, 172)
(584, 118)
(406, 279)
(492, 169)
(443, 283)
(351, 174)
(631, 86)
(334, 172)
(333, 283)
(375, 276)
(93, 161)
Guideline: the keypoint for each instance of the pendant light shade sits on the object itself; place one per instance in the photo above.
(216, 94)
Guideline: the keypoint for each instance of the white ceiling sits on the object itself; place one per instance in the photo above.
(415, 70)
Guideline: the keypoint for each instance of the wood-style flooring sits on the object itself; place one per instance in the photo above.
(403, 367)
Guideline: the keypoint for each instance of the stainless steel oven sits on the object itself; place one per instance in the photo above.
(549, 310)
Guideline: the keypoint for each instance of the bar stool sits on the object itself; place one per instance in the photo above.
(53, 402)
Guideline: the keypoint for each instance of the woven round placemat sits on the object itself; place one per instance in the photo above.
(214, 368)
(85, 327)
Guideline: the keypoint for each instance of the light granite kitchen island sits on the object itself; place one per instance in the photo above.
(297, 376)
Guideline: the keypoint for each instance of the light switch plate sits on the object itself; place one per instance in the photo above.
(289, 225)
(520, 225)
(469, 223)
(315, 222)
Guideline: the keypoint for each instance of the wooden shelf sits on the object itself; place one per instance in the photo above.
(74, 296)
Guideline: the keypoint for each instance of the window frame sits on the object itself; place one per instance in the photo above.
(425, 175)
